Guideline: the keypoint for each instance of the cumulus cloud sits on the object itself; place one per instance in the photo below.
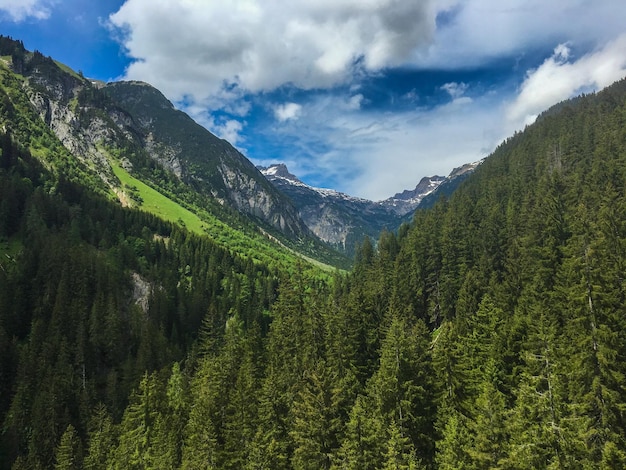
(237, 56)
(198, 48)
(559, 78)
(229, 130)
(19, 10)
(455, 90)
(224, 127)
(475, 32)
(287, 111)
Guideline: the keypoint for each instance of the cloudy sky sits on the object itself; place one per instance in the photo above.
(363, 96)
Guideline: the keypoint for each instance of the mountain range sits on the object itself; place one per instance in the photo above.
(343, 221)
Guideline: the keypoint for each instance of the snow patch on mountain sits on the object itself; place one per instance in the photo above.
(280, 171)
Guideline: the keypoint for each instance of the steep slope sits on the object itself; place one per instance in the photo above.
(200, 159)
(409, 200)
(341, 220)
(521, 274)
(92, 119)
(448, 185)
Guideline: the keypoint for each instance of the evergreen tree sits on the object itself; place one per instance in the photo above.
(136, 448)
(317, 422)
(68, 455)
(102, 438)
(170, 422)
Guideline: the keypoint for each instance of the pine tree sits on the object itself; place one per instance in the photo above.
(170, 423)
(136, 442)
(243, 408)
(363, 446)
(400, 454)
(455, 442)
(101, 440)
(201, 436)
(68, 455)
(490, 440)
(317, 422)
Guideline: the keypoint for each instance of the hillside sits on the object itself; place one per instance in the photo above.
(85, 130)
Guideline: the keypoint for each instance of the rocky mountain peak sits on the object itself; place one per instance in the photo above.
(426, 185)
(279, 170)
(464, 169)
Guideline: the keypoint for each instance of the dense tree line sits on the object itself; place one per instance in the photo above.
(487, 334)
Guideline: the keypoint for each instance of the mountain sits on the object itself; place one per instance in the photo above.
(448, 185)
(203, 161)
(128, 141)
(335, 217)
(343, 221)
(409, 200)
(130, 120)
(122, 131)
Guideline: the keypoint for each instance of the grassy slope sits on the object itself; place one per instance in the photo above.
(31, 131)
(160, 205)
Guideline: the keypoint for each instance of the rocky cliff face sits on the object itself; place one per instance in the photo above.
(94, 119)
(201, 159)
(407, 201)
(338, 219)
(83, 141)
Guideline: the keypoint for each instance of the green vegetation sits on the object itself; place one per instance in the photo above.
(256, 247)
(67, 69)
(490, 333)
(152, 201)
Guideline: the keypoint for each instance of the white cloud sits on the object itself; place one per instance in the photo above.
(229, 130)
(287, 111)
(475, 32)
(224, 128)
(227, 55)
(558, 79)
(198, 48)
(355, 101)
(375, 155)
(19, 10)
(455, 90)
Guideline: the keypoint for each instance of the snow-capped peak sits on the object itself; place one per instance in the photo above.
(281, 172)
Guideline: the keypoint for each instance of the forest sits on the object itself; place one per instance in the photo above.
(488, 333)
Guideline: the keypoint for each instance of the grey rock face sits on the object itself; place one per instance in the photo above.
(136, 115)
(343, 221)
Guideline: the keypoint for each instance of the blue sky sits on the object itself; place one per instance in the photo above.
(362, 96)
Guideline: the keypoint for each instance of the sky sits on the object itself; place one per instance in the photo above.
(362, 96)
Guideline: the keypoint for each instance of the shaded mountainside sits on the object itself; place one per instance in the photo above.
(343, 221)
(205, 162)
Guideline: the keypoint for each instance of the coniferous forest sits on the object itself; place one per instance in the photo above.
(488, 333)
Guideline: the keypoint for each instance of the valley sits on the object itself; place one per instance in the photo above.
(166, 304)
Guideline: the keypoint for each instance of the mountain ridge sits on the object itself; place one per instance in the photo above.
(133, 123)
